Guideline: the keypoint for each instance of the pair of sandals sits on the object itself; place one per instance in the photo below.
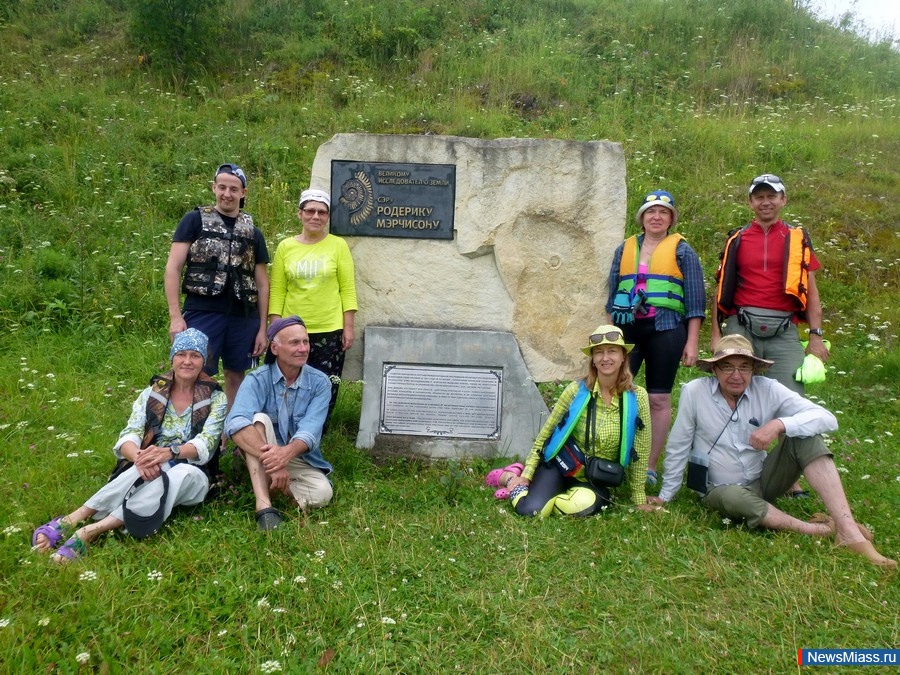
(493, 479)
(53, 531)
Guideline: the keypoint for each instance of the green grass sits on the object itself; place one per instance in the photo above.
(103, 147)
(467, 583)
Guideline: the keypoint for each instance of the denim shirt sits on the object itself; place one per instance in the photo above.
(264, 390)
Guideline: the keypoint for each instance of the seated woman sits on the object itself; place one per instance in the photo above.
(541, 487)
(173, 431)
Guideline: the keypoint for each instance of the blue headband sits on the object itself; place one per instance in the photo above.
(190, 339)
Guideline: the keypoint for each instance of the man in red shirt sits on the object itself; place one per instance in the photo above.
(767, 286)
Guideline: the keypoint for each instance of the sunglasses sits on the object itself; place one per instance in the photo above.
(314, 212)
(611, 336)
(766, 178)
(653, 197)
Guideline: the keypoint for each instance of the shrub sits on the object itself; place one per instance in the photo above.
(178, 35)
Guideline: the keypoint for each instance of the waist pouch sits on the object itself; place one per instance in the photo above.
(569, 459)
(604, 472)
(764, 323)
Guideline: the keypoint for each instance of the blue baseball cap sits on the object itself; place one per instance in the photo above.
(234, 170)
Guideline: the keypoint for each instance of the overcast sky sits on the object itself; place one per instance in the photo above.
(881, 17)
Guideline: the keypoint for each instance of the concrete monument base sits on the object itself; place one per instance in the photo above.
(522, 410)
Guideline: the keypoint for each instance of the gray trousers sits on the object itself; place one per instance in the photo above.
(782, 467)
(187, 485)
(784, 349)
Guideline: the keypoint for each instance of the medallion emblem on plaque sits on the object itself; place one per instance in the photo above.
(356, 195)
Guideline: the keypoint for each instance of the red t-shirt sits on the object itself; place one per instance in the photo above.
(760, 265)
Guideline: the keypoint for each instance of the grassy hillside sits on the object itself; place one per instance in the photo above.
(113, 116)
(106, 140)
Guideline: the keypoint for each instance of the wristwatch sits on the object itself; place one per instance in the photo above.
(815, 331)
(176, 451)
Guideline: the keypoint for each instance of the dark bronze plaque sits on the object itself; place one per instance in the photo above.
(381, 199)
(461, 401)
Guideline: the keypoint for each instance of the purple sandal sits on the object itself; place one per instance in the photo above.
(493, 477)
(73, 549)
(52, 530)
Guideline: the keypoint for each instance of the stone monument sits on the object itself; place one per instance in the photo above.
(537, 222)
(535, 226)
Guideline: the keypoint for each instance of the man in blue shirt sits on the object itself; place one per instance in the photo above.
(277, 421)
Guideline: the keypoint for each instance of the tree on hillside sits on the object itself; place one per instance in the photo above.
(177, 35)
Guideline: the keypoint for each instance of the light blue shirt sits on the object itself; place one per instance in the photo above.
(297, 412)
(704, 415)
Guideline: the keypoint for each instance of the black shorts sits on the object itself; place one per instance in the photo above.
(661, 350)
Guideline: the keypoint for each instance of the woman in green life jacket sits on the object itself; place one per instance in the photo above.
(657, 298)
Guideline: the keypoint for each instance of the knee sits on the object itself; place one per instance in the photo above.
(582, 501)
(318, 498)
(312, 495)
(660, 402)
(528, 507)
(736, 501)
(233, 379)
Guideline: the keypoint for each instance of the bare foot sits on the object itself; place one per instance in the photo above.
(865, 548)
(864, 531)
(824, 519)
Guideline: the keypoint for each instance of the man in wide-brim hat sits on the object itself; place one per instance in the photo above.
(756, 437)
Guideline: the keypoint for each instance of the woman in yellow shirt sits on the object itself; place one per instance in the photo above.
(312, 277)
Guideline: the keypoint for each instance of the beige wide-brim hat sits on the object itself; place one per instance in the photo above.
(733, 345)
(603, 335)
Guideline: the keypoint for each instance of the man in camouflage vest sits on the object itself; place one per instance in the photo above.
(223, 258)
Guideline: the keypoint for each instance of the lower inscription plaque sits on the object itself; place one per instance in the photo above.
(459, 401)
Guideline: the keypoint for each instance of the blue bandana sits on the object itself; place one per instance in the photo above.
(190, 339)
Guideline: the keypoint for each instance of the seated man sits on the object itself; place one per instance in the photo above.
(277, 422)
(729, 423)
